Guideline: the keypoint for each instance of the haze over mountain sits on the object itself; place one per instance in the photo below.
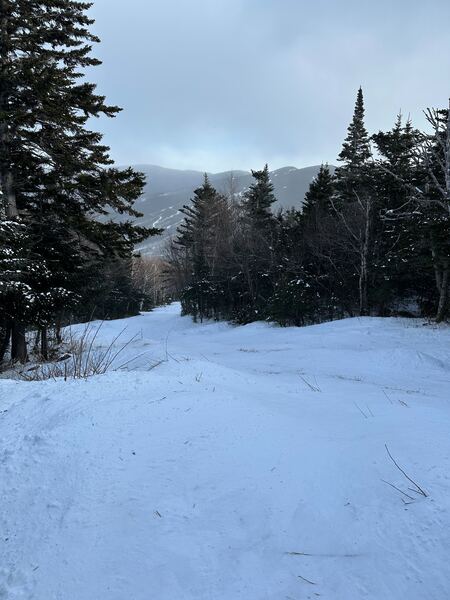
(167, 190)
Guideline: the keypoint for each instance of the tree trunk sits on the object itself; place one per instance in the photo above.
(363, 310)
(364, 268)
(37, 342)
(5, 336)
(443, 293)
(441, 274)
(44, 343)
(58, 333)
(18, 343)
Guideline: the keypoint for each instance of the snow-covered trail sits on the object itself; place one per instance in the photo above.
(248, 464)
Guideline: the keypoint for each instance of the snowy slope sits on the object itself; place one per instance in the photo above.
(247, 465)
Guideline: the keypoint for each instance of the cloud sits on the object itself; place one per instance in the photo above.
(216, 84)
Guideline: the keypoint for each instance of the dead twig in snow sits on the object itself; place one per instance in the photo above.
(418, 489)
(323, 555)
(168, 355)
(398, 489)
(361, 410)
(387, 396)
(156, 364)
(313, 388)
(390, 400)
(125, 364)
(307, 580)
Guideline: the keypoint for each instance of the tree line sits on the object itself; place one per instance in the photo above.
(58, 260)
(370, 238)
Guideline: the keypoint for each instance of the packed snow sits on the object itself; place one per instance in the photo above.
(226, 463)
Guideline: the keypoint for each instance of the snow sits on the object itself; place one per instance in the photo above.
(247, 465)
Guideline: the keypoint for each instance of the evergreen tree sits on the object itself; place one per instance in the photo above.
(258, 200)
(325, 257)
(400, 267)
(53, 170)
(199, 237)
(352, 178)
(16, 293)
(355, 201)
(256, 255)
(291, 302)
(415, 168)
(356, 148)
(318, 198)
(434, 204)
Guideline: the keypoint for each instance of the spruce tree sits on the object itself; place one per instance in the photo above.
(399, 264)
(415, 167)
(318, 198)
(256, 255)
(16, 293)
(198, 236)
(53, 170)
(258, 200)
(355, 201)
(351, 176)
(290, 302)
(356, 148)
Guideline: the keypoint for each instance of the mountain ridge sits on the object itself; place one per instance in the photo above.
(168, 189)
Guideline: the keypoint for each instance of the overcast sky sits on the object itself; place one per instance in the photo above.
(232, 84)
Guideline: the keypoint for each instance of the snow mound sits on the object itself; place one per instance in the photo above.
(249, 464)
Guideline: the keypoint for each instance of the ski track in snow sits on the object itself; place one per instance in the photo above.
(247, 465)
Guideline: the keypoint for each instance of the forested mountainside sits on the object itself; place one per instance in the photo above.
(168, 190)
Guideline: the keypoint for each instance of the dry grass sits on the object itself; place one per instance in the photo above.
(80, 357)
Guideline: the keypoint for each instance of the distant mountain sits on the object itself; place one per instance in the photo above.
(167, 190)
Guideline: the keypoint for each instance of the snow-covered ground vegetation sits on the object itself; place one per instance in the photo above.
(226, 463)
